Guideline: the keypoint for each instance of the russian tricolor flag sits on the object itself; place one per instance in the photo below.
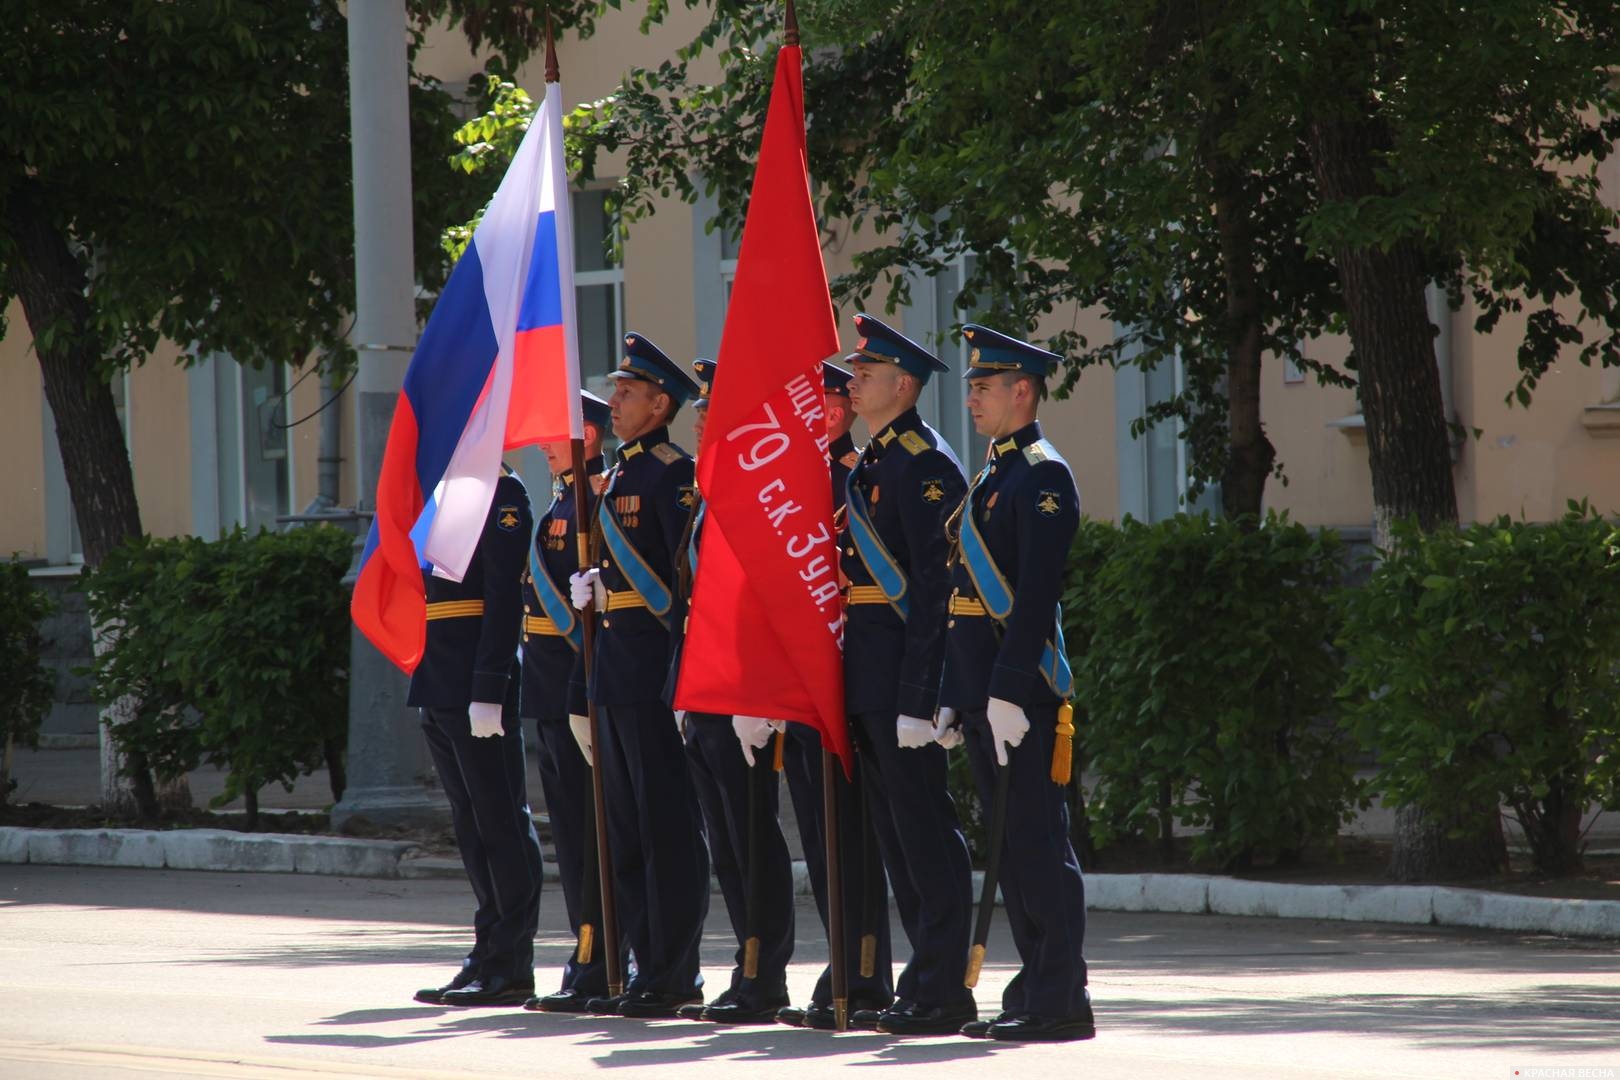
(496, 368)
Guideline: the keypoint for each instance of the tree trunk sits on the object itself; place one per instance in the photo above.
(47, 278)
(1250, 454)
(1407, 446)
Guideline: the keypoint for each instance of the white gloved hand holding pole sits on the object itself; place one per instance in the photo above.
(912, 732)
(1008, 726)
(485, 717)
(585, 587)
(754, 732)
(946, 731)
(581, 728)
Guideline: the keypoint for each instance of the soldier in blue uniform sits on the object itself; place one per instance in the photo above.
(660, 864)
(868, 960)
(1007, 679)
(467, 687)
(553, 635)
(894, 551)
(739, 799)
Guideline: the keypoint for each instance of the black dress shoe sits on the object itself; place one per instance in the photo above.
(819, 1016)
(1045, 1028)
(434, 995)
(605, 1006)
(980, 1029)
(927, 1020)
(651, 1006)
(563, 1001)
(494, 990)
(740, 1011)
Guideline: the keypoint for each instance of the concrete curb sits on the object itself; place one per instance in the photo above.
(1197, 894)
(204, 849)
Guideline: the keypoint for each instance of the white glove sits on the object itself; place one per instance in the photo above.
(754, 732)
(486, 719)
(911, 732)
(584, 587)
(1008, 726)
(946, 733)
(581, 727)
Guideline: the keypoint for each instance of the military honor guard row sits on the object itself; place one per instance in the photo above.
(952, 639)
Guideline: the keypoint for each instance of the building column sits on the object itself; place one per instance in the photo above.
(388, 768)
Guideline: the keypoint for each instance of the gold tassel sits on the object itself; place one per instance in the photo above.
(1063, 747)
(781, 740)
(975, 965)
(587, 939)
(868, 955)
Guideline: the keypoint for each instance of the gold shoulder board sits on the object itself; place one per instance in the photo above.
(1039, 451)
(848, 460)
(668, 453)
(913, 442)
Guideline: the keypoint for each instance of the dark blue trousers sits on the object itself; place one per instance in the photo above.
(1045, 895)
(721, 776)
(566, 780)
(926, 856)
(483, 779)
(655, 832)
(866, 892)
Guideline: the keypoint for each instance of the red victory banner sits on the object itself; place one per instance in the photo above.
(765, 634)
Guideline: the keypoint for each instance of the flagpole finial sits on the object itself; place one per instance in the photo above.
(790, 34)
(553, 72)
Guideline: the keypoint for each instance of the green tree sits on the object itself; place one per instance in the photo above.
(1220, 179)
(26, 686)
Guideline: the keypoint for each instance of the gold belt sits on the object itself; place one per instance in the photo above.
(967, 605)
(629, 598)
(542, 625)
(455, 609)
(865, 594)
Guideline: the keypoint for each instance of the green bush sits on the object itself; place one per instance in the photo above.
(1485, 673)
(26, 686)
(237, 651)
(1204, 665)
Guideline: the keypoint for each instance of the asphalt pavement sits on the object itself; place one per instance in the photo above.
(108, 973)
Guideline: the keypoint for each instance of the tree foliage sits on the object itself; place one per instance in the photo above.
(196, 159)
(1156, 161)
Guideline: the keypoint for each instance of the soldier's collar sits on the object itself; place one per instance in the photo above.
(840, 446)
(593, 466)
(906, 421)
(646, 442)
(1029, 433)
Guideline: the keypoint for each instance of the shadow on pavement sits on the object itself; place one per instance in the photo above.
(1546, 1018)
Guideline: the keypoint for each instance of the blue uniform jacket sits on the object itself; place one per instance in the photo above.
(911, 482)
(473, 657)
(652, 492)
(841, 458)
(1027, 509)
(553, 673)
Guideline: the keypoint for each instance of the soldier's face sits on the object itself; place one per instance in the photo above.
(875, 389)
(839, 417)
(990, 402)
(699, 416)
(638, 407)
(557, 456)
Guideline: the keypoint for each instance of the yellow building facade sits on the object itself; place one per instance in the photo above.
(214, 445)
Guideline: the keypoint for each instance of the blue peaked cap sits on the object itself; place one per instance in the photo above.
(597, 412)
(885, 345)
(705, 380)
(834, 379)
(991, 351)
(645, 361)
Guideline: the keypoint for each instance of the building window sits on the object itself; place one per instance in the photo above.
(253, 473)
(598, 290)
(730, 245)
(933, 319)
